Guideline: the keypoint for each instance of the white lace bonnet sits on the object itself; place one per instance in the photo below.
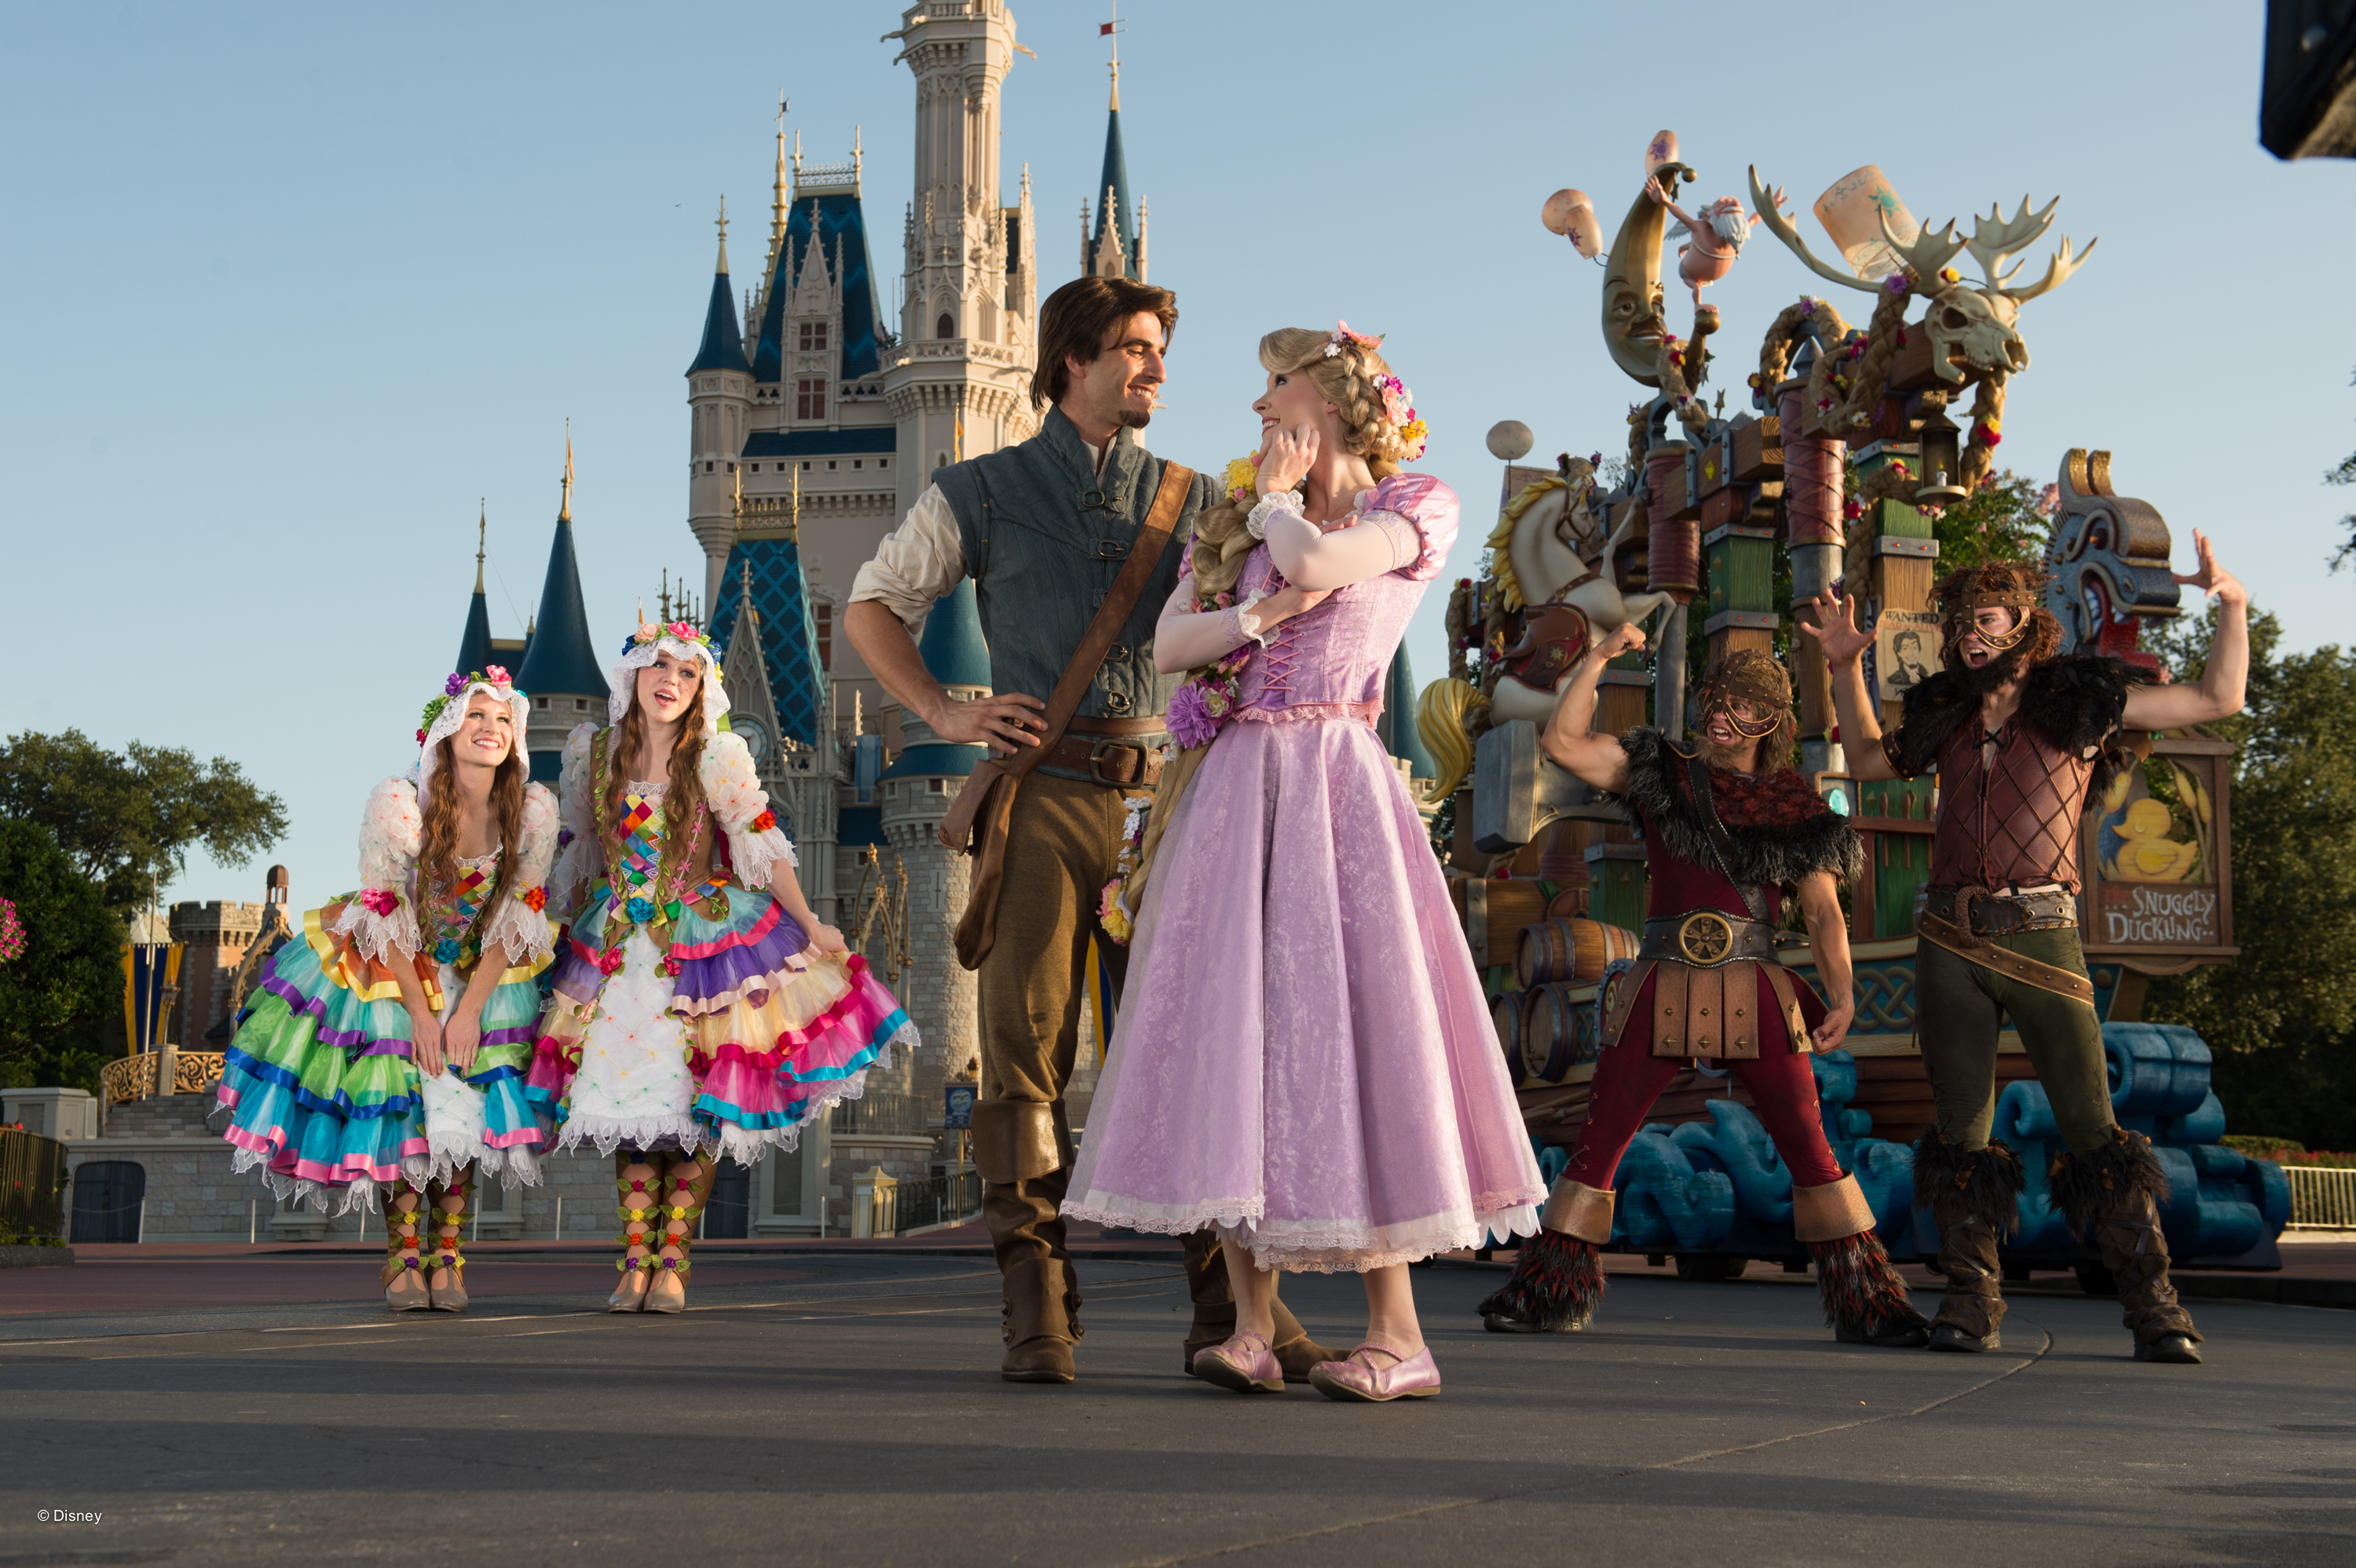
(446, 712)
(681, 640)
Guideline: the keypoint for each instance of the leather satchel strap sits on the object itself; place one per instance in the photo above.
(1721, 842)
(1144, 555)
(1136, 570)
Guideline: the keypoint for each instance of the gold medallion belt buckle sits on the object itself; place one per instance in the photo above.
(1705, 938)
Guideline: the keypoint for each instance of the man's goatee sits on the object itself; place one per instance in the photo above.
(1978, 683)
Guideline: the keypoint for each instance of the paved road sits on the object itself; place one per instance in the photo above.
(845, 1411)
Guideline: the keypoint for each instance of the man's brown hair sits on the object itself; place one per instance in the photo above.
(1081, 315)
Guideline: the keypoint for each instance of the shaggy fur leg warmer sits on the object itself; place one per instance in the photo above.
(2114, 1193)
(1557, 1284)
(1973, 1196)
(1865, 1300)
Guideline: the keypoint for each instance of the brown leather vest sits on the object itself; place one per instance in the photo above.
(2011, 821)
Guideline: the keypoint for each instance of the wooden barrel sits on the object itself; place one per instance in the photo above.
(1550, 1034)
(1570, 951)
(1493, 912)
(1508, 1015)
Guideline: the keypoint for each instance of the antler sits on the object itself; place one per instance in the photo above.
(1996, 237)
(2056, 272)
(1928, 253)
(1783, 229)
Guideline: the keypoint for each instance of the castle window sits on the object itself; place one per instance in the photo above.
(939, 786)
(707, 467)
(824, 614)
(580, 705)
(882, 463)
(757, 468)
(854, 462)
(541, 703)
(830, 464)
(805, 466)
(945, 326)
(809, 400)
(814, 336)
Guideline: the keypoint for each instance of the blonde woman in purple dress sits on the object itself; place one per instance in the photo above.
(1303, 1057)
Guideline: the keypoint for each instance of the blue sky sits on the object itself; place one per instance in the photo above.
(288, 287)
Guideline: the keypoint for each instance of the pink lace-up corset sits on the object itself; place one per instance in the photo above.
(1330, 662)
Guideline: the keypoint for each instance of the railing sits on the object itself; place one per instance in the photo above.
(935, 1200)
(134, 1077)
(32, 1188)
(882, 1113)
(2322, 1198)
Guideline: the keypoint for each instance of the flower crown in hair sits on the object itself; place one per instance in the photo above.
(1398, 412)
(494, 678)
(1343, 334)
(677, 631)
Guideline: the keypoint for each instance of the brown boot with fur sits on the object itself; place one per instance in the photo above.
(1042, 1322)
(1974, 1198)
(2113, 1192)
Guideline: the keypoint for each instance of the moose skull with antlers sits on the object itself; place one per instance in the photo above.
(1971, 329)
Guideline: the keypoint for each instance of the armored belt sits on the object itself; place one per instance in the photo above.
(1706, 938)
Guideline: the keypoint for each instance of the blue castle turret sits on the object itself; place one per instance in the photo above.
(560, 670)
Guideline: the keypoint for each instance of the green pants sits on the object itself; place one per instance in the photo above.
(1960, 1006)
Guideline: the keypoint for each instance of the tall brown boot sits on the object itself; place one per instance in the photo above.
(1042, 1322)
(1974, 1198)
(2113, 1191)
(1022, 1154)
(1214, 1314)
(688, 1188)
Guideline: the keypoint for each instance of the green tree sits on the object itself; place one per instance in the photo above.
(2282, 1017)
(128, 821)
(2005, 519)
(58, 995)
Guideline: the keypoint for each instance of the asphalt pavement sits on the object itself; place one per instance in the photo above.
(845, 1409)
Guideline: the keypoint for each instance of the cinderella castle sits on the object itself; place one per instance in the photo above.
(816, 418)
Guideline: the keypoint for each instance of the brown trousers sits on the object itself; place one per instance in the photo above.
(1061, 848)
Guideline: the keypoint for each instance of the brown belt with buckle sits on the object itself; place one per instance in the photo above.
(1124, 752)
(1983, 911)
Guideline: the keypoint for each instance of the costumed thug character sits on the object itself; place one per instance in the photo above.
(1731, 829)
(2021, 739)
(1060, 536)
(699, 1010)
(383, 1056)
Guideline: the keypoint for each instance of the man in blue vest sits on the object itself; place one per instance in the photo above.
(1045, 530)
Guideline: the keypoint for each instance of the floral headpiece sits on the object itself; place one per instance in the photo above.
(494, 679)
(442, 717)
(1242, 479)
(1343, 334)
(681, 640)
(1398, 412)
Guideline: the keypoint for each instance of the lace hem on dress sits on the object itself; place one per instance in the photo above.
(1322, 1246)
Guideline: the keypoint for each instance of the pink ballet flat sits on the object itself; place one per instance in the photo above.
(1354, 1378)
(1242, 1362)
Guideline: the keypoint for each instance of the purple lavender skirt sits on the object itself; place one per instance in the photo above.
(1303, 1057)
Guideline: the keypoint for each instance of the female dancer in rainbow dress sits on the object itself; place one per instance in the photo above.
(389, 1065)
(700, 1009)
(1303, 1057)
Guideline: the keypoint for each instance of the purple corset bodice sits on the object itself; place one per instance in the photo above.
(1330, 662)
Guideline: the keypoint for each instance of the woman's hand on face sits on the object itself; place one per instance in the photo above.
(1279, 608)
(426, 1042)
(1285, 458)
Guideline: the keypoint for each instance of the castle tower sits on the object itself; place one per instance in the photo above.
(478, 649)
(780, 700)
(960, 385)
(561, 672)
(719, 393)
(915, 794)
(1116, 246)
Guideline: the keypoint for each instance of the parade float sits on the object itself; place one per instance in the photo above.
(1836, 473)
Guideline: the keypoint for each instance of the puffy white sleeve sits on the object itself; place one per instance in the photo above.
(576, 836)
(1406, 524)
(517, 924)
(755, 842)
(381, 918)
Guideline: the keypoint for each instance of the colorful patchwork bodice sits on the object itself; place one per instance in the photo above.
(451, 911)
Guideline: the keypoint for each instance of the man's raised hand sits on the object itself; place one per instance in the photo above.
(1836, 631)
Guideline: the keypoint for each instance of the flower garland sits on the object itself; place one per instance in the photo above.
(677, 631)
(1112, 904)
(495, 677)
(12, 933)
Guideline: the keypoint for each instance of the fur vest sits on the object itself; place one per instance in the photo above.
(1782, 830)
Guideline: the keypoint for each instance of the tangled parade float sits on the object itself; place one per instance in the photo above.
(1835, 475)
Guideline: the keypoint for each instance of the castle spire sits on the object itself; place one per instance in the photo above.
(723, 347)
(559, 664)
(564, 503)
(474, 643)
(1112, 249)
(482, 538)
